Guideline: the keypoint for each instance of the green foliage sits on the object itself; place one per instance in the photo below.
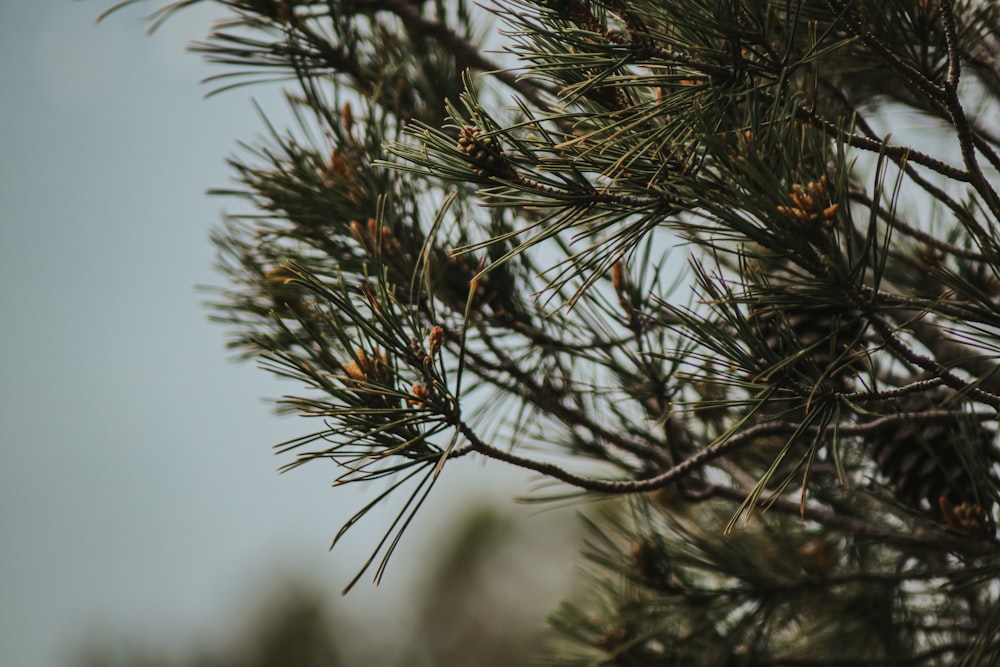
(464, 251)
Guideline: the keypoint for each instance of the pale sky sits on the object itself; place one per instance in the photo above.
(138, 492)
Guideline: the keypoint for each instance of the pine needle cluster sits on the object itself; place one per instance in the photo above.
(674, 253)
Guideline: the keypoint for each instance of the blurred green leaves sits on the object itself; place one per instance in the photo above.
(480, 600)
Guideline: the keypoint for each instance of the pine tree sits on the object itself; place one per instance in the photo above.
(668, 254)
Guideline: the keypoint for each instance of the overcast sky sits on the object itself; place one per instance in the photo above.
(138, 492)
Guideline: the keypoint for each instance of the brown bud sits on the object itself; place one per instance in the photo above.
(365, 367)
(435, 339)
(485, 150)
(965, 517)
(353, 370)
(809, 204)
(816, 556)
(337, 171)
(420, 393)
(346, 118)
(618, 282)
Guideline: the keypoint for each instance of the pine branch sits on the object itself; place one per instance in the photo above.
(448, 274)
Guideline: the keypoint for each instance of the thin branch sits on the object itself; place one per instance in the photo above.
(911, 231)
(544, 399)
(935, 540)
(617, 487)
(466, 55)
(913, 76)
(925, 363)
(966, 137)
(897, 153)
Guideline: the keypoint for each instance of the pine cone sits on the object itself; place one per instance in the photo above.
(817, 336)
(485, 151)
(921, 460)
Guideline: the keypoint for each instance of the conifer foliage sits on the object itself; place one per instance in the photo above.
(688, 256)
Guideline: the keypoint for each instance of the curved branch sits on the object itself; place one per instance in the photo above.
(617, 487)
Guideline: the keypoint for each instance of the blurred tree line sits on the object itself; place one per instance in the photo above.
(481, 601)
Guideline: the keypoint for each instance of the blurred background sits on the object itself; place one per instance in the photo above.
(142, 521)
